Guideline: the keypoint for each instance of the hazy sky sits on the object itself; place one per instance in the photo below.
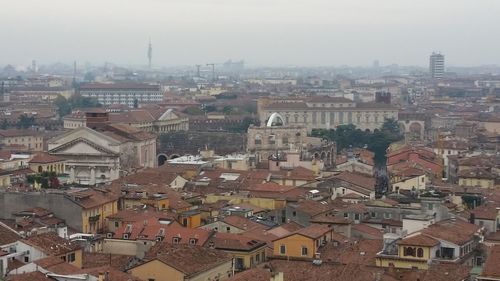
(262, 32)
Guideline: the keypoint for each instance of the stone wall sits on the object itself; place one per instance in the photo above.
(182, 142)
(61, 206)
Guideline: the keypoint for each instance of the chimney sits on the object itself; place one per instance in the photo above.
(472, 218)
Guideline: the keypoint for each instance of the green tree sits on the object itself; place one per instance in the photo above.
(227, 110)
(193, 111)
(210, 108)
(4, 125)
(63, 106)
(391, 127)
(25, 121)
(349, 136)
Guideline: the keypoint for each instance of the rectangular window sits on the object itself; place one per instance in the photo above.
(341, 118)
(323, 117)
(282, 249)
(71, 257)
(304, 251)
(332, 117)
(314, 118)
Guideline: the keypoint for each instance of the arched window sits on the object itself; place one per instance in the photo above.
(40, 169)
(258, 139)
(409, 251)
(420, 252)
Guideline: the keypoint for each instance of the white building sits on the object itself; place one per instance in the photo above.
(436, 65)
(322, 112)
(122, 93)
(99, 156)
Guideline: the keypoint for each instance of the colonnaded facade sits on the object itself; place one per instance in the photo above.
(323, 112)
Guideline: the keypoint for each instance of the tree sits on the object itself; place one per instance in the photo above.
(391, 127)
(89, 77)
(136, 103)
(378, 141)
(25, 121)
(193, 111)
(227, 110)
(63, 106)
(4, 124)
(210, 108)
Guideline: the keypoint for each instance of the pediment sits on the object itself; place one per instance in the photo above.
(82, 146)
(168, 115)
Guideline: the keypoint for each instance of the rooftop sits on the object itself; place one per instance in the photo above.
(187, 259)
(51, 244)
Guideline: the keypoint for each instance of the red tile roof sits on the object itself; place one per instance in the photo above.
(190, 260)
(419, 240)
(458, 232)
(235, 242)
(358, 179)
(491, 268)
(43, 158)
(51, 244)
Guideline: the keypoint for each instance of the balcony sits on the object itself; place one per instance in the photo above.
(94, 219)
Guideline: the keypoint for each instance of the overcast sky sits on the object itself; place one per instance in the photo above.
(261, 32)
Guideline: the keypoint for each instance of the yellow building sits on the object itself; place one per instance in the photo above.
(304, 243)
(476, 177)
(270, 203)
(30, 139)
(44, 162)
(4, 178)
(413, 252)
(96, 205)
(167, 262)
(246, 251)
(190, 219)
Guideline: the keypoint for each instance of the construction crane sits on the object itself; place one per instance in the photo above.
(198, 70)
(213, 70)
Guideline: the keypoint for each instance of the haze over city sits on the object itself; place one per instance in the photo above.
(271, 33)
(250, 140)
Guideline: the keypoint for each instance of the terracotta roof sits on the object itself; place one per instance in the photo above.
(92, 198)
(235, 242)
(358, 179)
(154, 229)
(51, 244)
(314, 231)
(244, 223)
(190, 260)
(91, 260)
(253, 274)
(457, 232)
(476, 173)
(311, 207)
(306, 270)
(351, 251)
(364, 228)
(32, 276)
(7, 236)
(488, 212)
(43, 158)
(19, 133)
(419, 240)
(491, 268)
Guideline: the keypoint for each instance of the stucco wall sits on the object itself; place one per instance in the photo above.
(62, 207)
